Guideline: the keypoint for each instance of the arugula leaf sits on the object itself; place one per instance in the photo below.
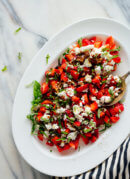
(114, 56)
(47, 58)
(4, 69)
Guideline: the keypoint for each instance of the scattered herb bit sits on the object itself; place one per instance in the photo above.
(116, 50)
(99, 112)
(19, 56)
(59, 61)
(50, 150)
(47, 58)
(63, 132)
(4, 69)
(17, 30)
(114, 56)
(66, 52)
(80, 42)
(69, 75)
(63, 139)
(87, 130)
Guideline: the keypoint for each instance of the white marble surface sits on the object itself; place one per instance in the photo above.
(39, 19)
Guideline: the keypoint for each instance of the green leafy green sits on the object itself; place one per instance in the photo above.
(80, 42)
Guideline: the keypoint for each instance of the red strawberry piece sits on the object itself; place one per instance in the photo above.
(92, 40)
(85, 42)
(42, 109)
(49, 143)
(114, 119)
(75, 99)
(44, 88)
(77, 123)
(40, 136)
(74, 144)
(85, 139)
(93, 90)
(61, 149)
(94, 106)
(69, 57)
(82, 88)
(117, 60)
(85, 99)
(98, 44)
(74, 74)
(64, 77)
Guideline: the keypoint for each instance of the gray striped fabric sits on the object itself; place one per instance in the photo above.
(117, 166)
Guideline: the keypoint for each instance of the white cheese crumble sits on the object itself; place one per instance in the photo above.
(77, 109)
(70, 91)
(87, 63)
(116, 78)
(62, 94)
(88, 78)
(88, 110)
(108, 68)
(105, 99)
(97, 69)
(48, 126)
(61, 110)
(46, 116)
(72, 135)
(55, 126)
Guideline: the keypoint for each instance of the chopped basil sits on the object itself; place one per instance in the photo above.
(69, 75)
(4, 69)
(59, 122)
(87, 130)
(116, 50)
(63, 139)
(47, 58)
(59, 61)
(50, 150)
(114, 56)
(63, 132)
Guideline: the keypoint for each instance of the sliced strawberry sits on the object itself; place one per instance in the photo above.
(94, 106)
(44, 88)
(49, 143)
(69, 57)
(60, 70)
(39, 115)
(117, 60)
(85, 139)
(63, 66)
(96, 80)
(99, 94)
(55, 140)
(114, 119)
(82, 88)
(85, 42)
(42, 109)
(63, 60)
(93, 139)
(93, 90)
(61, 149)
(75, 99)
(77, 123)
(40, 136)
(51, 72)
(74, 74)
(106, 119)
(92, 40)
(85, 99)
(47, 102)
(98, 44)
(64, 77)
(110, 41)
(74, 144)
(54, 84)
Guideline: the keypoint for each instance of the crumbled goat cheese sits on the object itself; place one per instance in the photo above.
(72, 135)
(70, 91)
(62, 94)
(48, 126)
(88, 78)
(87, 63)
(108, 68)
(77, 109)
(70, 127)
(55, 126)
(46, 116)
(61, 110)
(116, 78)
(62, 144)
(65, 85)
(105, 99)
(97, 69)
(112, 62)
(88, 110)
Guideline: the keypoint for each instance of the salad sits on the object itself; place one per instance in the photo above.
(70, 104)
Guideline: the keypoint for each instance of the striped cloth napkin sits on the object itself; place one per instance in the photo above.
(117, 166)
